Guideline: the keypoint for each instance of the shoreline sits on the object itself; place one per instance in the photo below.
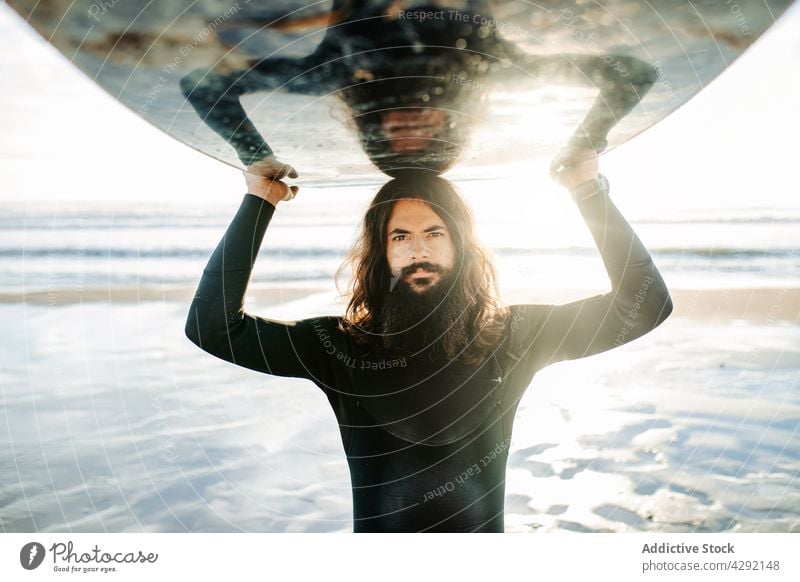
(760, 305)
(174, 294)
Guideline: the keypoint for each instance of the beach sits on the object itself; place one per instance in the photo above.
(760, 305)
(114, 421)
(757, 305)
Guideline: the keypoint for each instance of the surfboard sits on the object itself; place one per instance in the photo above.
(358, 87)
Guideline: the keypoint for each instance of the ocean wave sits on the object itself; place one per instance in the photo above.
(122, 253)
(312, 252)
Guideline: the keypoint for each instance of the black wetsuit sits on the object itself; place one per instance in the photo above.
(426, 443)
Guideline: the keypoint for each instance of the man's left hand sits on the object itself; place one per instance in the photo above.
(573, 166)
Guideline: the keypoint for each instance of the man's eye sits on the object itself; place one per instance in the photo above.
(398, 236)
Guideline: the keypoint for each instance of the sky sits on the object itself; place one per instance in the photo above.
(64, 139)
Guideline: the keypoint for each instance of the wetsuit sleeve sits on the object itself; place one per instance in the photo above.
(219, 325)
(637, 303)
(622, 80)
(215, 96)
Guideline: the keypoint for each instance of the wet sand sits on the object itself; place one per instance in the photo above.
(114, 421)
(760, 305)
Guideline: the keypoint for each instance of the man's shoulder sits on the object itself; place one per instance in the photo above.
(330, 326)
(330, 322)
(518, 311)
(524, 318)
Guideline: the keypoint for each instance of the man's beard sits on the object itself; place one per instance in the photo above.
(436, 320)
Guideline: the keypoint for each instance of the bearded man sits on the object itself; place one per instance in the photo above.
(426, 368)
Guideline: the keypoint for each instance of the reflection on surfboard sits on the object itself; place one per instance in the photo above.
(357, 85)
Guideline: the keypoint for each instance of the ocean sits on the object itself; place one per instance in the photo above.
(55, 247)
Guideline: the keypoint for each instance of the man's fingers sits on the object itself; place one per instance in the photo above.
(558, 165)
(272, 169)
(292, 192)
(571, 166)
(280, 173)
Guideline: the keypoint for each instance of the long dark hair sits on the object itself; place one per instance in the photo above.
(371, 274)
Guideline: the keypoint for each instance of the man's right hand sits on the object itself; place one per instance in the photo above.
(264, 179)
(273, 191)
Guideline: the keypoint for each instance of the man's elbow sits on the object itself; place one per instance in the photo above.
(665, 309)
(197, 328)
(210, 334)
(653, 299)
(648, 308)
(192, 329)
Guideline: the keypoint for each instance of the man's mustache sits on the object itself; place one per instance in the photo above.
(405, 272)
(425, 266)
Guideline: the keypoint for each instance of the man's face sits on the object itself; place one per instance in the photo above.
(412, 130)
(419, 248)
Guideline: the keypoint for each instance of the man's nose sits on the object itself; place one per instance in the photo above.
(419, 248)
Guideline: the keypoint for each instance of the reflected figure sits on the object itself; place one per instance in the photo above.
(426, 368)
(414, 81)
(432, 63)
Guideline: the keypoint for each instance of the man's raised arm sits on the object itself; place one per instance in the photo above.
(637, 303)
(217, 321)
